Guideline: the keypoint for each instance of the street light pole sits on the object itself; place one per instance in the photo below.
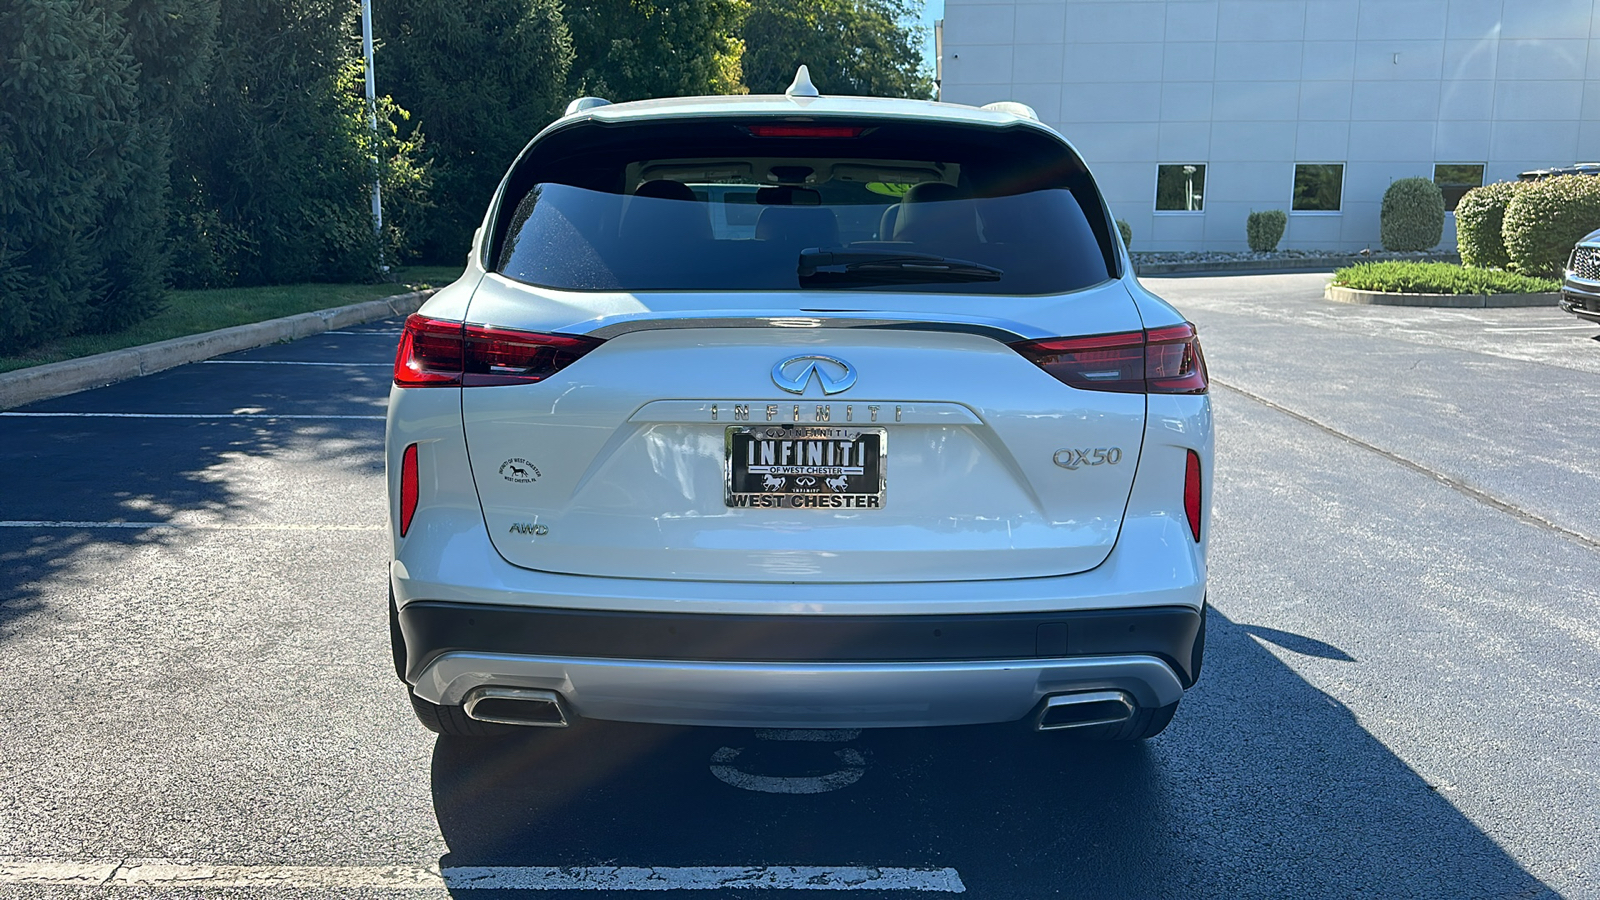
(372, 121)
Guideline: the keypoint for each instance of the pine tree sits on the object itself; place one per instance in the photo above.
(72, 144)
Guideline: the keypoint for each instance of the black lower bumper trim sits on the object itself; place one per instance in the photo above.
(433, 628)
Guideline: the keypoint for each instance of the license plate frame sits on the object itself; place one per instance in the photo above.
(757, 477)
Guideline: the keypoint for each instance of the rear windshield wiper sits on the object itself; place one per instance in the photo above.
(878, 265)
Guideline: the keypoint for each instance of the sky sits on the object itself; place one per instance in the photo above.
(933, 10)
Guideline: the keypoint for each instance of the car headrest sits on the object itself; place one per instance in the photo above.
(665, 189)
(891, 216)
(663, 211)
(938, 213)
(804, 226)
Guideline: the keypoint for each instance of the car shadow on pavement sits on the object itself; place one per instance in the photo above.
(1264, 786)
(1299, 643)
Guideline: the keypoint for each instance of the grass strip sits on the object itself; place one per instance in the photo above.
(1398, 277)
(196, 312)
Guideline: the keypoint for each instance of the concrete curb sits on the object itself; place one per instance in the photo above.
(72, 375)
(1256, 266)
(1449, 301)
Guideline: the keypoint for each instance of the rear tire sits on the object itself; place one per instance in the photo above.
(454, 721)
(1146, 723)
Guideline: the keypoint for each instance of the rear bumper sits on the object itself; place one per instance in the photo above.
(801, 695)
(798, 671)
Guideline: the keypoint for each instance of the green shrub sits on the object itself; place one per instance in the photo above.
(1399, 277)
(1412, 217)
(82, 175)
(1264, 229)
(1479, 216)
(1545, 218)
(280, 152)
(1126, 230)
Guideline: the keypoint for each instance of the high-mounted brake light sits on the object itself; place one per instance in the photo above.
(438, 353)
(408, 488)
(1157, 361)
(1191, 494)
(805, 131)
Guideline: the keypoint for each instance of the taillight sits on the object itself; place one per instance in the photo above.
(1172, 361)
(429, 354)
(435, 353)
(1104, 362)
(408, 488)
(1157, 361)
(1191, 494)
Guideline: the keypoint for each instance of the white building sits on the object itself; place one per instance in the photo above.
(1308, 106)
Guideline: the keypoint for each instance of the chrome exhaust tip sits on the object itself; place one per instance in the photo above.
(516, 706)
(1085, 709)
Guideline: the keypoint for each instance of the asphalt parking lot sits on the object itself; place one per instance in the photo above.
(1398, 700)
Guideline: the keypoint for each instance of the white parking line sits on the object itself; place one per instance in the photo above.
(177, 873)
(383, 333)
(183, 526)
(109, 415)
(287, 362)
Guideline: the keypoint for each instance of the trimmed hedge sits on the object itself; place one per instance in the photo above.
(1400, 277)
(1545, 218)
(1126, 230)
(1412, 217)
(1264, 229)
(1479, 217)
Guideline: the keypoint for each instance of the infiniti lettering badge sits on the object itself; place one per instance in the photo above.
(795, 373)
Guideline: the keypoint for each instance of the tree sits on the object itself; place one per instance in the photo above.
(480, 79)
(275, 161)
(638, 49)
(172, 42)
(77, 167)
(860, 47)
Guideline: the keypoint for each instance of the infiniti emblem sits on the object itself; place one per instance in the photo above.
(795, 373)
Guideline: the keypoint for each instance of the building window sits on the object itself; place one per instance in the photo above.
(1180, 187)
(1318, 187)
(1455, 179)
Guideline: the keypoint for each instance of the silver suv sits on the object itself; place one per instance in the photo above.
(912, 448)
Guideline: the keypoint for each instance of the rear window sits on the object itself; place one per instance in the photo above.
(713, 206)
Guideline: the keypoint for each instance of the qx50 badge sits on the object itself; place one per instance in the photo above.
(1098, 456)
(795, 373)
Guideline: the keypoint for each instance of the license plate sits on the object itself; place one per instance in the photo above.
(805, 467)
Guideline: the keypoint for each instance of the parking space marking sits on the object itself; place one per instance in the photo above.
(184, 526)
(111, 415)
(138, 873)
(381, 333)
(287, 362)
(1455, 484)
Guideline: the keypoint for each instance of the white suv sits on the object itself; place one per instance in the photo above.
(917, 449)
